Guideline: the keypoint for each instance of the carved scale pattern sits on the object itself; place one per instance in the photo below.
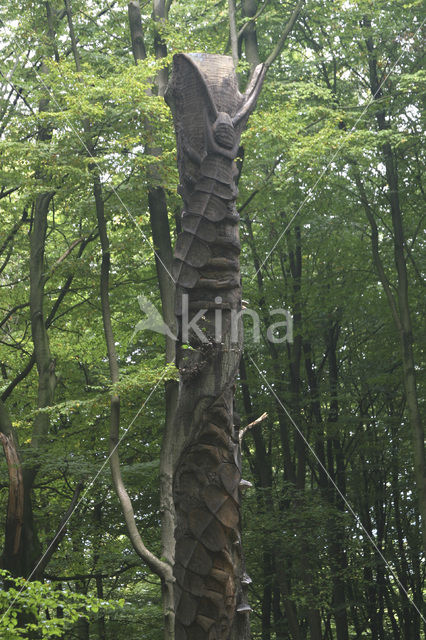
(206, 489)
(209, 115)
(207, 497)
(206, 262)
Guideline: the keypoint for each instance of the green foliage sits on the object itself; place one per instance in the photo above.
(28, 607)
(314, 128)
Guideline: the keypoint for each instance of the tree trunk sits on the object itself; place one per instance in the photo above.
(22, 548)
(209, 114)
(336, 528)
(160, 228)
(400, 311)
(15, 507)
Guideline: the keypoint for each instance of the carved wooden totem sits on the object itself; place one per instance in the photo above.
(209, 115)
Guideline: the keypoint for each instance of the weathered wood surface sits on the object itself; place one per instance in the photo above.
(209, 115)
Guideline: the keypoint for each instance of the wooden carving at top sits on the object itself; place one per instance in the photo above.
(209, 114)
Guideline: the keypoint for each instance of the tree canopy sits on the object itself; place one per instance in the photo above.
(331, 204)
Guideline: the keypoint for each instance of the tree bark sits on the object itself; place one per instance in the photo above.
(209, 114)
(15, 506)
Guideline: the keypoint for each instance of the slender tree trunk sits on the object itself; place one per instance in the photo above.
(277, 613)
(24, 557)
(97, 517)
(249, 10)
(157, 566)
(289, 606)
(336, 528)
(15, 508)
(29, 551)
(267, 596)
(162, 569)
(400, 311)
(160, 228)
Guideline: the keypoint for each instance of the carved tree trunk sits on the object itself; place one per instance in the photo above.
(209, 114)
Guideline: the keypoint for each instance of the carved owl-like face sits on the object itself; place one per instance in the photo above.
(223, 130)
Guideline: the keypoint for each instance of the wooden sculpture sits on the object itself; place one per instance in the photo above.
(209, 116)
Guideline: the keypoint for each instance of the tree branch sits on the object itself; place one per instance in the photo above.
(280, 44)
(60, 532)
(159, 567)
(251, 425)
(67, 252)
(15, 228)
(233, 31)
(136, 31)
(89, 576)
(375, 249)
(49, 320)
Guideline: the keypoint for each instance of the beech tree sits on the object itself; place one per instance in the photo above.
(330, 205)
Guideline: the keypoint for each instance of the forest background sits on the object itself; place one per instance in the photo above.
(331, 201)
